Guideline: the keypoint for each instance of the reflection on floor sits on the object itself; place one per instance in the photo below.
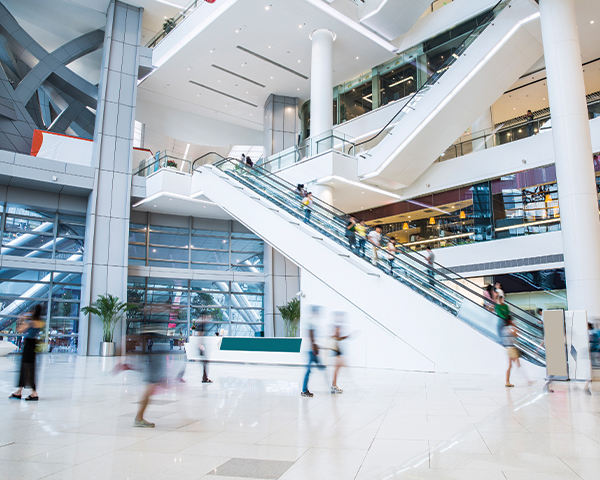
(386, 425)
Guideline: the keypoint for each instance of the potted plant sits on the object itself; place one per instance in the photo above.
(290, 312)
(172, 164)
(109, 309)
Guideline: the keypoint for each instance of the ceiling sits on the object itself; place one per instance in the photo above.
(280, 33)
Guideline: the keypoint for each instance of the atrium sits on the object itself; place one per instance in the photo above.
(280, 239)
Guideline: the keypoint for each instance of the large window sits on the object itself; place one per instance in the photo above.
(34, 232)
(195, 248)
(59, 294)
(172, 309)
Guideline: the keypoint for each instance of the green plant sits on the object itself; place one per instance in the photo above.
(65, 308)
(109, 309)
(290, 312)
(204, 305)
(171, 163)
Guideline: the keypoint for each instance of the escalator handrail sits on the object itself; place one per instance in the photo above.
(423, 262)
(434, 78)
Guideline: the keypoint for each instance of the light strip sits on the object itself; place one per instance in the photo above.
(369, 15)
(171, 195)
(204, 22)
(357, 27)
(401, 81)
(532, 224)
(358, 184)
(451, 95)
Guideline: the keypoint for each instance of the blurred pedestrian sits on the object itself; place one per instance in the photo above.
(336, 350)
(391, 250)
(488, 293)
(30, 326)
(509, 334)
(374, 238)
(155, 374)
(249, 162)
(313, 353)
(498, 291)
(307, 202)
(430, 257)
(361, 233)
(350, 233)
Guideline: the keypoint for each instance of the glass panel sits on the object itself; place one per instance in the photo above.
(356, 101)
(398, 83)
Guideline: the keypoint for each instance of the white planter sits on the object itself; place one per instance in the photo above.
(107, 349)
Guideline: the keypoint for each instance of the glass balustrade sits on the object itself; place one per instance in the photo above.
(445, 288)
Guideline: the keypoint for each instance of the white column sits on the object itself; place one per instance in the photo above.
(482, 123)
(573, 153)
(321, 82)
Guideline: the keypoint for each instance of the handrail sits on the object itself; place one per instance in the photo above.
(435, 77)
(440, 270)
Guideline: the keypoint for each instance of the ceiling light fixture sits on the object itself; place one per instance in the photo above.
(267, 7)
(357, 27)
(401, 81)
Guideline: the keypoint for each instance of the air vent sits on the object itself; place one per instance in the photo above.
(428, 211)
(272, 62)
(223, 93)
(238, 75)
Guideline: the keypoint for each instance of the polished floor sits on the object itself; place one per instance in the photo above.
(252, 423)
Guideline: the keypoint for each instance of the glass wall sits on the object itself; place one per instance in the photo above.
(59, 294)
(355, 101)
(172, 309)
(195, 248)
(523, 203)
(397, 83)
(35, 232)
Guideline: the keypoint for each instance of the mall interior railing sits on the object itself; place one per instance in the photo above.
(421, 92)
(170, 23)
(512, 130)
(437, 284)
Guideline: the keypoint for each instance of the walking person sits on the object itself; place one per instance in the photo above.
(430, 257)
(498, 291)
(374, 238)
(313, 353)
(361, 233)
(509, 334)
(336, 350)
(308, 204)
(29, 325)
(529, 117)
(350, 232)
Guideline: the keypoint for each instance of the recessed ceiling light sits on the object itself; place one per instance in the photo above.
(211, 51)
(357, 58)
(188, 69)
(298, 89)
(271, 78)
(269, 46)
(299, 26)
(544, 98)
(267, 7)
(298, 61)
(237, 31)
(592, 22)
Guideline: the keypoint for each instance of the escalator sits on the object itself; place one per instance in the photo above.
(271, 208)
(491, 58)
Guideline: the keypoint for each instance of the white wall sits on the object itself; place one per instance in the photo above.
(162, 121)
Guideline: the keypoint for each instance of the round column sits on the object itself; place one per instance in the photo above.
(321, 82)
(323, 193)
(577, 196)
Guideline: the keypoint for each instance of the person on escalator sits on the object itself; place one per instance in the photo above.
(361, 232)
(430, 257)
(508, 335)
(375, 241)
(488, 293)
(249, 162)
(350, 232)
(307, 203)
(391, 251)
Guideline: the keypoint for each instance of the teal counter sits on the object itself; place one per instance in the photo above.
(261, 344)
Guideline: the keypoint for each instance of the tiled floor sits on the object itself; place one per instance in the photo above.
(386, 425)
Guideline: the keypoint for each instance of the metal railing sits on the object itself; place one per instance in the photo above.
(437, 283)
(418, 95)
(170, 23)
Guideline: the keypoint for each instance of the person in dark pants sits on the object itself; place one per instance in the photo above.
(350, 235)
(313, 353)
(430, 257)
(30, 326)
(529, 117)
